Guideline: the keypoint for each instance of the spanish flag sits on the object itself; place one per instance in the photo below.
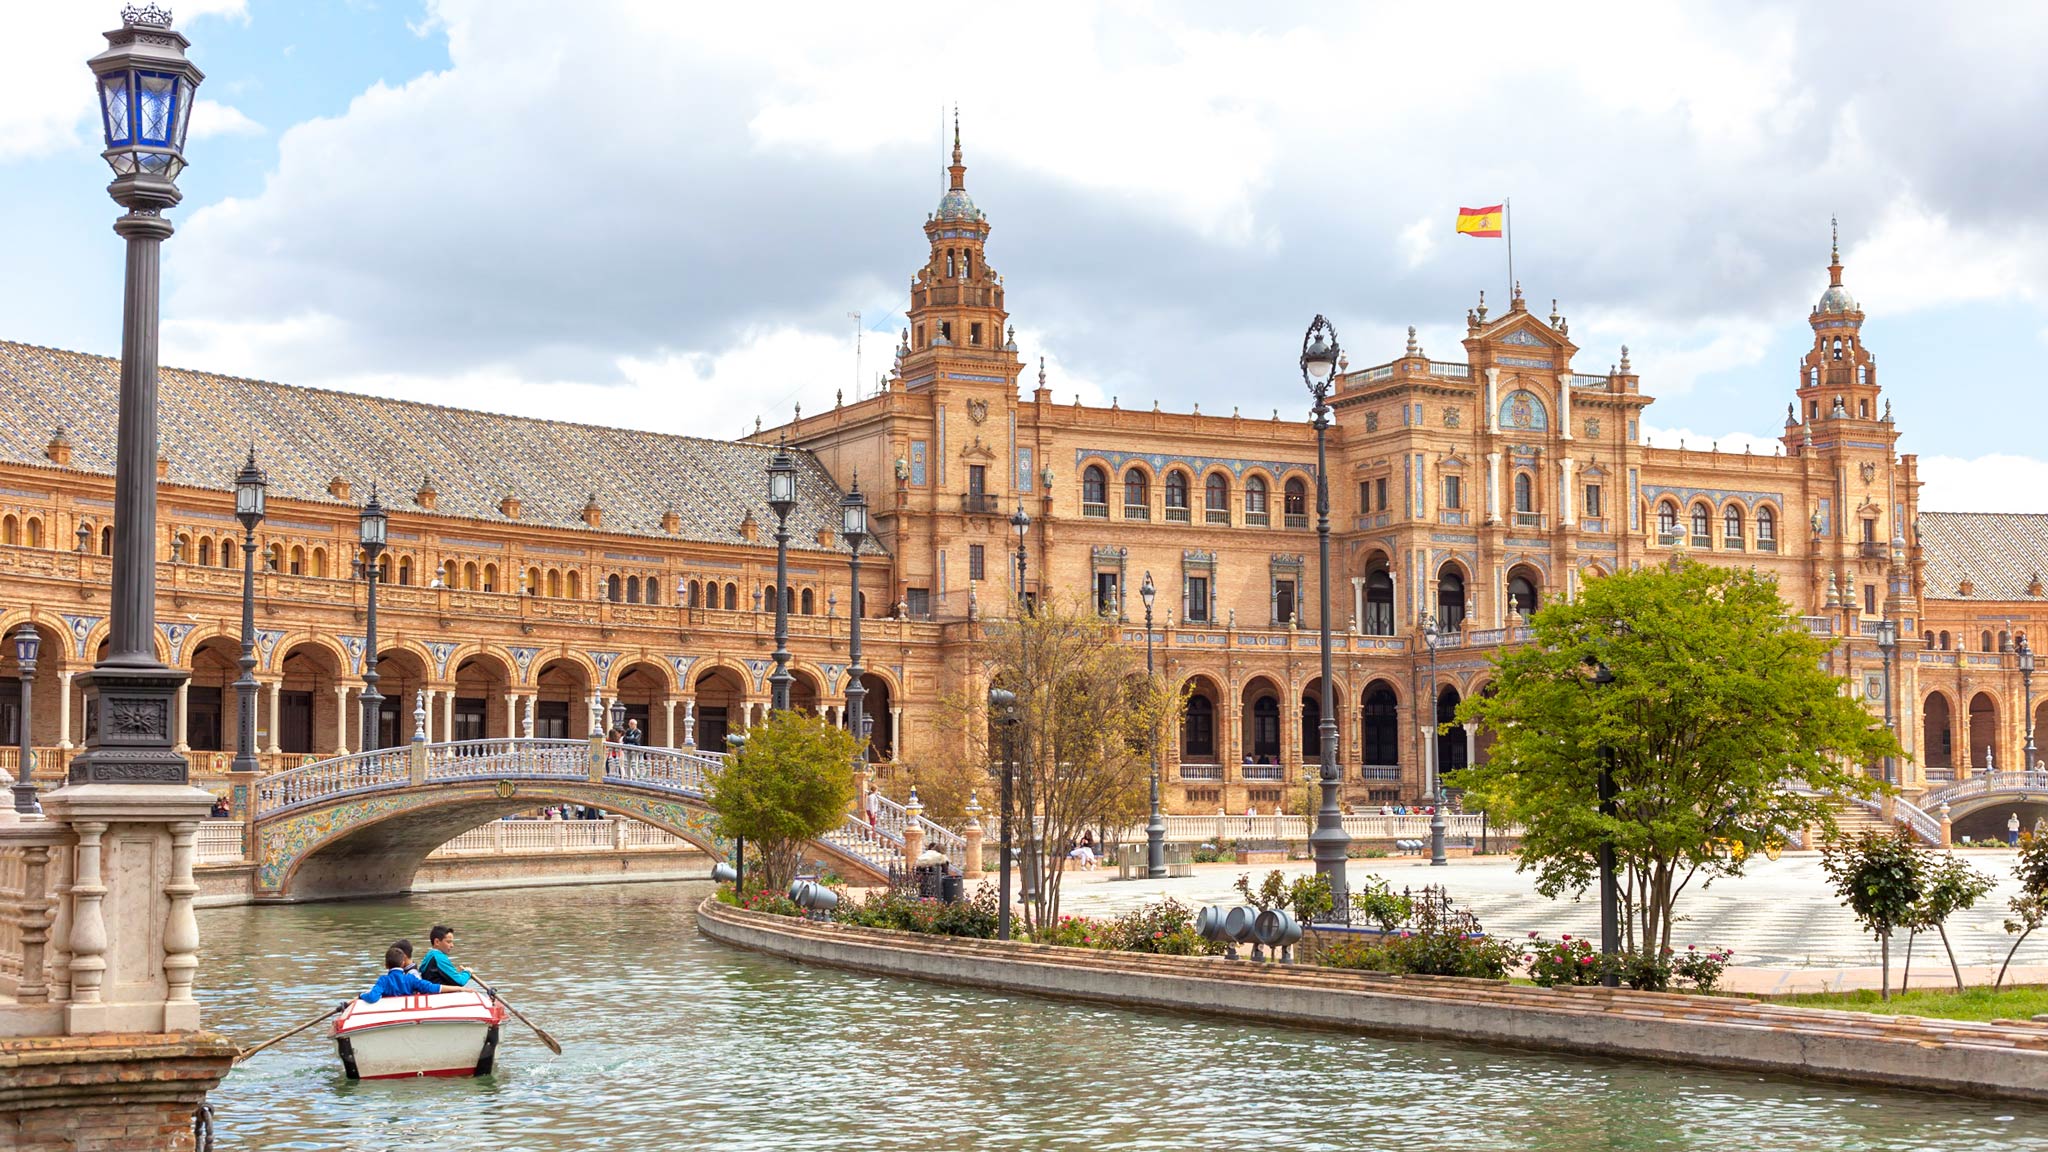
(1479, 221)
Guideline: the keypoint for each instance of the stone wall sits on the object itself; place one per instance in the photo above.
(112, 1092)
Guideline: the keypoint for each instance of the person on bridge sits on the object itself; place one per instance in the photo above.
(396, 981)
(634, 737)
(2012, 830)
(437, 965)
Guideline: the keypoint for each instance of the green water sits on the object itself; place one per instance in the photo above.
(671, 1041)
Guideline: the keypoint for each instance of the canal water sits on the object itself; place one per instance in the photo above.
(672, 1042)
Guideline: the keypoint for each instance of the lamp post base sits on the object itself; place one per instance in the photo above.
(133, 727)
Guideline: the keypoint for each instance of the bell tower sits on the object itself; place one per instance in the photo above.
(956, 299)
(1838, 378)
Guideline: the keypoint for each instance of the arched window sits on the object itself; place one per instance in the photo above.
(1986, 645)
(654, 589)
(1177, 496)
(1522, 593)
(1731, 525)
(1379, 603)
(1216, 498)
(227, 551)
(1702, 521)
(1766, 526)
(1928, 637)
(789, 599)
(575, 584)
(320, 563)
(35, 533)
(181, 548)
(1255, 499)
(1095, 486)
(554, 581)
(1450, 598)
(860, 605)
(1525, 495)
(810, 603)
(1198, 728)
(1380, 735)
(612, 589)
(206, 550)
(490, 577)
(469, 576)
(276, 558)
(384, 569)
(632, 589)
(696, 595)
(451, 574)
(732, 597)
(1294, 497)
(1944, 641)
(10, 531)
(1137, 491)
(298, 567)
(2005, 642)
(1667, 519)
(106, 537)
(533, 582)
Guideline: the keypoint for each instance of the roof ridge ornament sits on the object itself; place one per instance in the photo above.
(147, 16)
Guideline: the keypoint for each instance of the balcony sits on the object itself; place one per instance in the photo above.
(981, 504)
(1875, 550)
(1528, 519)
(1380, 772)
(1669, 539)
(1137, 512)
(1731, 544)
(1265, 772)
(1095, 511)
(1201, 771)
(1216, 516)
(1259, 518)
(1295, 520)
(1176, 515)
(1764, 544)
(1703, 541)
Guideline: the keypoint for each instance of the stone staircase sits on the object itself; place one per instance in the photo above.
(1854, 820)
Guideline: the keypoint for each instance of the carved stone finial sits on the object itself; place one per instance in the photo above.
(1555, 319)
(1887, 411)
(147, 16)
(1624, 360)
(838, 397)
(1041, 371)
(1482, 306)
(1413, 348)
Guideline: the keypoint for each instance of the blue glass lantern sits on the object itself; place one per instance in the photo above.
(146, 91)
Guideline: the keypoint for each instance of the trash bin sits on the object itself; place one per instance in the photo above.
(930, 880)
(952, 887)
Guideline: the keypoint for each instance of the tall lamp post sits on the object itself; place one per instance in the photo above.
(146, 88)
(251, 487)
(1437, 857)
(1329, 843)
(853, 525)
(2026, 652)
(1021, 521)
(373, 537)
(26, 644)
(1888, 646)
(737, 741)
(1610, 896)
(1002, 710)
(781, 501)
(1155, 830)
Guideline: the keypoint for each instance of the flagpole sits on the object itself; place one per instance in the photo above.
(1507, 219)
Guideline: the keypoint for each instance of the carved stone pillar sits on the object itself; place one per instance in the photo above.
(64, 710)
(447, 715)
(181, 932)
(88, 945)
(179, 718)
(895, 735)
(276, 717)
(668, 723)
(1566, 508)
(689, 722)
(341, 719)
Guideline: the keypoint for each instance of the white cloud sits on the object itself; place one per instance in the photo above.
(1734, 443)
(212, 118)
(1418, 241)
(1984, 484)
(1918, 258)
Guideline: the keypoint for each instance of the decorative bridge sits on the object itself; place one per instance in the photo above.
(360, 825)
(1980, 805)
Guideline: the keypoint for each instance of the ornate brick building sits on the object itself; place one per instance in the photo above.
(543, 561)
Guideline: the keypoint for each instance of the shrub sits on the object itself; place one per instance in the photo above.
(1073, 932)
(1166, 927)
(1700, 967)
(1379, 904)
(1432, 954)
(1577, 962)
(1566, 961)
(973, 917)
(1308, 897)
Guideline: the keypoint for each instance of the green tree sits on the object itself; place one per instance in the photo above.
(791, 783)
(1880, 876)
(1949, 886)
(1716, 705)
(2030, 906)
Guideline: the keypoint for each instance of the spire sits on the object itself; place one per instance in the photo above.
(1834, 238)
(958, 172)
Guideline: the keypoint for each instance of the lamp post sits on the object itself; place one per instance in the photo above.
(737, 741)
(1610, 898)
(146, 88)
(1888, 646)
(853, 525)
(251, 487)
(1155, 830)
(374, 524)
(618, 715)
(2026, 652)
(781, 501)
(1021, 521)
(1437, 858)
(1002, 710)
(1329, 843)
(26, 643)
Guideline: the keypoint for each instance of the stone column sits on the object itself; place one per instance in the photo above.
(179, 718)
(1567, 515)
(341, 719)
(1492, 485)
(973, 834)
(689, 721)
(668, 722)
(447, 715)
(276, 717)
(181, 932)
(511, 715)
(64, 710)
(895, 734)
(1357, 603)
(1492, 408)
(1564, 407)
(88, 944)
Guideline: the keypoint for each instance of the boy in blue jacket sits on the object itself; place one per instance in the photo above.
(396, 981)
(437, 965)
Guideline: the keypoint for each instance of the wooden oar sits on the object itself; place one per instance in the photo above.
(553, 1045)
(245, 1053)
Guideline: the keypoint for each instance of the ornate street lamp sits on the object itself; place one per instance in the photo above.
(373, 535)
(1002, 710)
(251, 487)
(1610, 896)
(853, 525)
(1431, 636)
(781, 501)
(27, 642)
(1329, 843)
(2026, 652)
(146, 88)
(618, 714)
(1155, 830)
(1021, 521)
(1888, 646)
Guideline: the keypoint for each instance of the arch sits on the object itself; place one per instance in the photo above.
(227, 552)
(1256, 489)
(310, 719)
(695, 594)
(2004, 640)
(1928, 638)
(721, 692)
(632, 595)
(106, 539)
(1984, 642)
(562, 688)
(1983, 730)
(1137, 491)
(1095, 485)
(881, 697)
(554, 582)
(642, 686)
(1261, 720)
(1294, 497)
(1379, 596)
(206, 551)
(1944, 640)
(481, 679)
(575, 584)
(273, 558)
(1702, 525)
(1523, 582)
(10, 529)
(1525, 492)
(1766, 525)
(490, 579)
(1379, 729)
(806, 688)
(809, 603)
(1311, 713)
(534, 582)
(1450, 596)
(297, 561)
(1450, 740)
(1177, 492)
(405, 571)
(1523, 411)
(1216, 497)
(732, 596)
(1731, 524)
(1200, 715)
(653, 586)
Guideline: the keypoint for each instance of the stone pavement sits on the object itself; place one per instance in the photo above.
(1780, 915)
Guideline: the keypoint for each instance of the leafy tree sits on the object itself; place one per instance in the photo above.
(1088, 717)
(1879, 875)
(1717, 703)
(2030, 906)
(790, 784)
(1950, 886)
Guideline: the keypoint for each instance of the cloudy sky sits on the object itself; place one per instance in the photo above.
(661, 215)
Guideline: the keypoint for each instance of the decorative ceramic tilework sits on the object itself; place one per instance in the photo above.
(523, 657)
(81, 631)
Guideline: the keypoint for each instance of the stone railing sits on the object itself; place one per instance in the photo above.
(1983, 783)
(221, 842)
(555, 837)
(1926, 827)
(32, 866)
(891, 818)
(1295, 829)
(326, 779)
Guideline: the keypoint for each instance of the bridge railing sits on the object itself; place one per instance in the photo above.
(359, 772)
(856, 839)
(494, 759)
(892, 818)
(1916, 819)
(662, 767)
(1984, 783)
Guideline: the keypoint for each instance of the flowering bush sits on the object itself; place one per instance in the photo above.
(973, 917)
(1423, 954)
(1701, 967)
(1565, 961)
(1073, 932)
(1569, 962)
(1166, 927)
(760, 900)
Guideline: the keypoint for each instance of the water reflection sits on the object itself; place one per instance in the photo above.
(673, 1042)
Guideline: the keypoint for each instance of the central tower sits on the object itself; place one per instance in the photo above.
(956, 299)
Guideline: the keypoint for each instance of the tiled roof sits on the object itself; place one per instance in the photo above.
(2000, 553)
(304, 437)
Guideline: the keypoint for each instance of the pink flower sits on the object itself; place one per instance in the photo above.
(1532, 935)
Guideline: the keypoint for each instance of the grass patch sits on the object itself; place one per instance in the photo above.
(1969, 1004)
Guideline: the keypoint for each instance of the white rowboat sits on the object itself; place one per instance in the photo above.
(448, 1034)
